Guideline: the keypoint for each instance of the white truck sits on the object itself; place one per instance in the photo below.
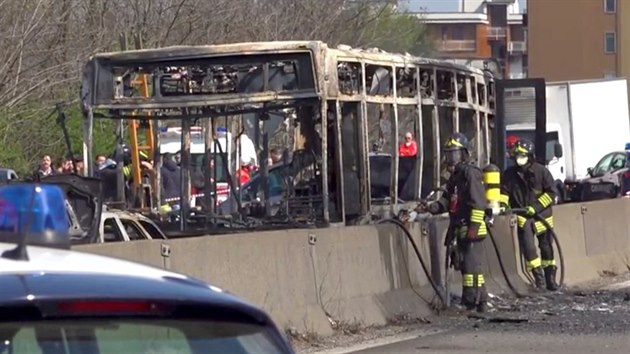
(170, 142)
(585, 121)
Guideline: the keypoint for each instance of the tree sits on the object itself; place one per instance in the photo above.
(394, 31)
(45, 43)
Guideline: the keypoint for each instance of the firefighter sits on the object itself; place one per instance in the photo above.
(529, 185)
(466, 203)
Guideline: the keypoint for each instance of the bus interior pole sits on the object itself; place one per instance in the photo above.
(87, 141)
(208, 169)
(120, 177)
(185, 171)
(120, 130)
(157, 165)
(264, 165)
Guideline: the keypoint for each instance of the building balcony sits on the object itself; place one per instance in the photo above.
(496, 33)
(457, 46)
(516, 47)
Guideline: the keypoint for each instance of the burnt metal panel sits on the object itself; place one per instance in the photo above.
(539, 86)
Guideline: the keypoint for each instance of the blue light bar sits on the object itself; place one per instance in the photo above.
(47, 212)
(627, 146)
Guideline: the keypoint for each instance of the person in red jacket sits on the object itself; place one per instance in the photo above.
(244, 173)
(408, 147)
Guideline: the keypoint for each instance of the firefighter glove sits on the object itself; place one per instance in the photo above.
(530, 211)
(471, 235)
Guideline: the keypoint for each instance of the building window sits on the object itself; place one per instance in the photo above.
(610, 43)
(610, 75)
(458, 32)
(610, 6)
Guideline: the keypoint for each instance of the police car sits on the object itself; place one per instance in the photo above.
(609, 178)
(53, 300)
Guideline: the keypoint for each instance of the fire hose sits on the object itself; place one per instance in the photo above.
(554, 237)
(445, 295)
(396, 221)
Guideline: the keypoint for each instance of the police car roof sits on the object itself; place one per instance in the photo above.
(54, 274)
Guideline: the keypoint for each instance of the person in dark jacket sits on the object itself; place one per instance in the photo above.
(171, 177)
(529, 185)
(44, 169)
(465, 200)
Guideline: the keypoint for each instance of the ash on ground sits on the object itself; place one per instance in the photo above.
(587, 309)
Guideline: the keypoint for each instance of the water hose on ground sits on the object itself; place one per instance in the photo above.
(550, 229)
(402, 226)
(501, 265)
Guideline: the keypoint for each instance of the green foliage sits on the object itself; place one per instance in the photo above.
(395, 31)
(32, 131)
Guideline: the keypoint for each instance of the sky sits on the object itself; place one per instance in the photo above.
(439, 5)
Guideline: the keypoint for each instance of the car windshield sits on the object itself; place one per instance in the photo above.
(134, 336)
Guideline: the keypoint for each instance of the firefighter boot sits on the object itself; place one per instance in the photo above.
(482, 302)
(550, 278)
(469, 296)
(539, 277)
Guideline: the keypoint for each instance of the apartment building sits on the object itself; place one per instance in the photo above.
(478, 29)
(579, 39)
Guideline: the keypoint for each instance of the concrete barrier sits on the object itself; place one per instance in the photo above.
(312, 280)
(595, 238)
(316, 279)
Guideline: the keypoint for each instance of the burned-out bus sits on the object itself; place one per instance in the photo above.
(338, 114)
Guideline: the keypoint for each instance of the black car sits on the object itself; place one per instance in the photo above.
(610, 178)
(57, 301)
(64, 302)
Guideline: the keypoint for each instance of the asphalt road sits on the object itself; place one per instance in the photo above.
(566, 322)
(493, 341)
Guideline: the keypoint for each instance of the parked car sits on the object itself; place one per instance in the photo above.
(609, 178)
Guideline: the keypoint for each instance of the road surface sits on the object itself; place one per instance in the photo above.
(514, 341)
(571, 321)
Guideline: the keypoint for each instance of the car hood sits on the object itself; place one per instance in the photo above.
(84, 203)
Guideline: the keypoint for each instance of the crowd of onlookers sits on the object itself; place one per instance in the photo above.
(65, 165)
(104, 167)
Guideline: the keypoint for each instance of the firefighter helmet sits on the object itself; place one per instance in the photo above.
(523, 147)
(456, 141)
(456, 149)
